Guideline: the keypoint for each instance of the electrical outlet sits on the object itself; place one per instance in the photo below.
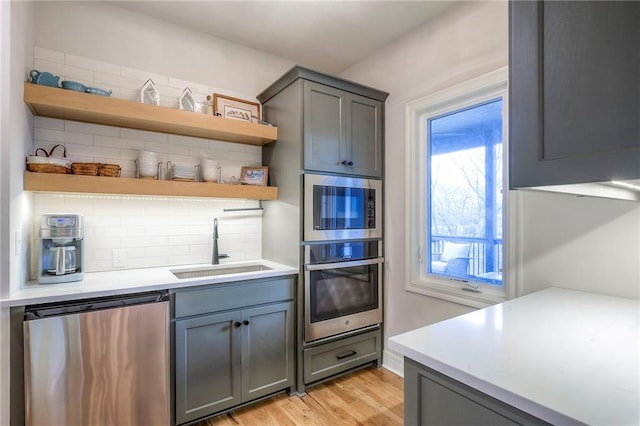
(118, 258)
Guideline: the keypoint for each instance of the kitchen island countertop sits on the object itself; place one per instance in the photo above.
(99, 284)
(564, 356)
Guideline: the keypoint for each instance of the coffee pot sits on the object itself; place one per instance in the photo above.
(62, 260)
(61, 248)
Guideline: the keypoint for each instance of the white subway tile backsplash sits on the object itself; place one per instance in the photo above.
(91, 64)
(165, 148)
(158, 79)
(188, 141)
(226, 146)
(62, 136)
(91, 129)
(65, 72)
(118, 81)
(130, 145)
(48, 123)
(250, 159)
(48, 55)
(144, 135)
(182, 84)
(146, 241)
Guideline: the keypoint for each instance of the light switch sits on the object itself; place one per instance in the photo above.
(18, 243)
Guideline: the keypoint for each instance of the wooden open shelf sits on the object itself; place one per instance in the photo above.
(71, 105)
(51, 182)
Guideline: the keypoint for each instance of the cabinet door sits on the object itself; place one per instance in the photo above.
(574, 92)
(324, 127)
(267, 350)
(364, 136)
(208, 371)
(435, 399)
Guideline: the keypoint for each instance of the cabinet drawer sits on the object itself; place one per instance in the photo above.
(222, 297)
(335, 357)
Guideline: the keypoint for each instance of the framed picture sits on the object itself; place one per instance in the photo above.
(237, 109)
(254, 175)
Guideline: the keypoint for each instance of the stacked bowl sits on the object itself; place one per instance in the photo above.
(148, 164)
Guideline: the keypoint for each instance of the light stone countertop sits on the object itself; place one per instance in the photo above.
(99, 284)
(564, 356)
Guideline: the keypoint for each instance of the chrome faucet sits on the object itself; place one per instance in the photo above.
(215, 256)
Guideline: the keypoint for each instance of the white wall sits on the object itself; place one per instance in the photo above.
(16, 44)
(582, 243)
(104, 32)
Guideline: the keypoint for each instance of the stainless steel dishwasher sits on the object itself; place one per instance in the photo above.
(102, 361)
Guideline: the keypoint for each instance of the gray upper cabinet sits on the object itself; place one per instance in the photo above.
(342, 131)
(574, 92)
(329, 124)
(234, 343)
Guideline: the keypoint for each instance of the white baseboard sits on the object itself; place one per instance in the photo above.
(393, 362)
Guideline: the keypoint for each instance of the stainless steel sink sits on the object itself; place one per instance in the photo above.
(217, 270)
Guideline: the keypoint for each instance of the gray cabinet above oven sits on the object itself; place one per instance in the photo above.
(336, 125)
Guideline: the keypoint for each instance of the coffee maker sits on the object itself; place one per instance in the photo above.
(61, 248)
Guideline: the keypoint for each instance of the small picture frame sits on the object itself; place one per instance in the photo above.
(236, 109)
(254, 175)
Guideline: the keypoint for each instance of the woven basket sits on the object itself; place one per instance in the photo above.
(47, 163)
(48, 168)
(87, 169)
(109, 170)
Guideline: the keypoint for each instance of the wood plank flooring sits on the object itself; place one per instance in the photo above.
(372, 396)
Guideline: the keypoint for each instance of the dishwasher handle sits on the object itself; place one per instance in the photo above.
(45, 310)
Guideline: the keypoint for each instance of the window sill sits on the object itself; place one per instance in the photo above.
(456, 294)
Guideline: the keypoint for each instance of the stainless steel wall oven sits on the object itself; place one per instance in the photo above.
(341, 208)
(343, 287)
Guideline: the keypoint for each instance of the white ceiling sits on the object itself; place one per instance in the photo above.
(328, 36)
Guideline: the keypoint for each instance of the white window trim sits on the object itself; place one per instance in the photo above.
(469, 93)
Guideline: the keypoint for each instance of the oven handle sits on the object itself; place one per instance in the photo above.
(337, 265)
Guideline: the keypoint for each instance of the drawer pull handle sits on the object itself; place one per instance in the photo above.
(346, 354)
(237, 324)
(245, 322)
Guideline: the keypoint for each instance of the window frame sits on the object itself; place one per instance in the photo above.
(478, 90)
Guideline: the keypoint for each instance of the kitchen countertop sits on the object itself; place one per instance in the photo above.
(564, 356)
(98, 284)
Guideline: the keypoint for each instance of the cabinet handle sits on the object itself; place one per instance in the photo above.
(237, 324)
(245, 322)
(346, 354)
(347, 163)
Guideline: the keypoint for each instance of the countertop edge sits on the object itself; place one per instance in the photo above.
(36, 294)
(497, 392)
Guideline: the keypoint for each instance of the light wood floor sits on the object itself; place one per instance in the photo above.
(372, 396)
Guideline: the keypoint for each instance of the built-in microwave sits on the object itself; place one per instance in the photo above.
(341, 208)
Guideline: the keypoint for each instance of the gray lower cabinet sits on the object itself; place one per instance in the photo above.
(227, 358)
(208, 365)
(574, 84)
(327, 359)
(432, 398)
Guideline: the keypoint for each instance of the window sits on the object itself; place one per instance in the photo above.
(457, 172)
